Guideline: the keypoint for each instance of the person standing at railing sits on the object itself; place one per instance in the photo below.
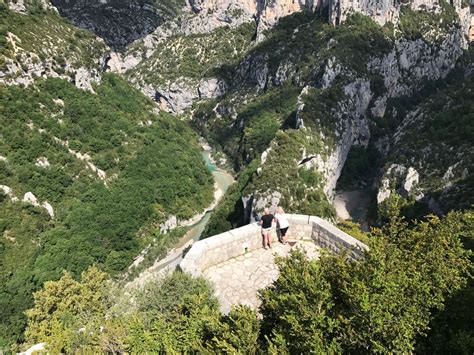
(266, 222)
(283, 224)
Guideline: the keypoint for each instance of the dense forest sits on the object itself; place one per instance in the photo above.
(140, 168)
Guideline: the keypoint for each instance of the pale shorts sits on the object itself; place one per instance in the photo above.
(266, 230)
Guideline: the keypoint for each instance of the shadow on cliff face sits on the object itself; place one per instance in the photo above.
(118, 22)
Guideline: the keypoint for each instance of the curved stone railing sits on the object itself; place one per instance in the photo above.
(231, 244)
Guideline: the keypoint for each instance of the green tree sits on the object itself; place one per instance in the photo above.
(451, 329)
(173, 315)
(235, 333)
(67, 313)
(298, 309)
(381, 303)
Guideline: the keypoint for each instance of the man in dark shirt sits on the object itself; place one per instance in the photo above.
(266, 222)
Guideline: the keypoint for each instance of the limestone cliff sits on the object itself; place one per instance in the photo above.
(67, 52)
(430, 156)
(344, 89)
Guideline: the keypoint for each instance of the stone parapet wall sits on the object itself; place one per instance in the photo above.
(221, 247)
(328, 236)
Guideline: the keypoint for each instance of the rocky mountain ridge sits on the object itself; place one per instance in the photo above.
(241, 51)
(362, 88)
(65, 52)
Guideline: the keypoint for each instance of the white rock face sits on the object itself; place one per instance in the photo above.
(42, 162)
(37, 348)
(208, 15)
(402, 179)
(211, 88)
(30, 198)
(84, 78)
(170, 223)
(411, 179)
(59, 102)
(272, 11)
(384, 191)
(17, 6)
(117, 63)
(263, 157)
(47, 206)
(449, 174)
(20, 6)
(6, 190)
(381, 11)
(332, 70)
(176, 97)
(378, 110)
(417, 58)
(180, 95)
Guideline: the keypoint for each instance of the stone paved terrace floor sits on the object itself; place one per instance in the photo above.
(237, 280)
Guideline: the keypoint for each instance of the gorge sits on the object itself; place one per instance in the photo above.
(349, 111)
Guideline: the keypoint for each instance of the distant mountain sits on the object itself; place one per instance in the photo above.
(119, 22)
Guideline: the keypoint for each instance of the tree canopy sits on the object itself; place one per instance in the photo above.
(384, 303)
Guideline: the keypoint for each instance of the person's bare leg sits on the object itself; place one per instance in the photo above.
(268, 240)
(264, 241)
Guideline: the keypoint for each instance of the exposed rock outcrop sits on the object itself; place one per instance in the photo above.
(21, 6)
(180, 95)
(42, 162)
(400, 179)
(403, 70)
(439, 166)
(28, 197)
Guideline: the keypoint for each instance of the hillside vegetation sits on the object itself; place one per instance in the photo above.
(90, 178)
(326, 306)
(191, 58)
(112, 168)
(42, 35)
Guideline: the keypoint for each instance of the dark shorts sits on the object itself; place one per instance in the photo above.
(283, 231)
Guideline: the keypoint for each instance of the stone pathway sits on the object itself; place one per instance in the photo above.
(237, 280)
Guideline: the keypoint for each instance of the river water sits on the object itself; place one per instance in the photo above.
(222, 180)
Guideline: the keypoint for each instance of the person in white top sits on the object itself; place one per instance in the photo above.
(283, 224)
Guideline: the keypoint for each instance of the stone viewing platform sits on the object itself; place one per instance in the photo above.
(238, 266)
